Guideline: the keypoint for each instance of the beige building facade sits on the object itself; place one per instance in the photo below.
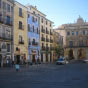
(75, 39)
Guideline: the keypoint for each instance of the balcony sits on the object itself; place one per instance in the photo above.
(47, 48)
(35, 43)
(51, 33)
(9, 24)
(42, 39)
(4, 36)
(21, 42)
(51, 41)
(43, 31)
(47, 40)
(47, 32)
(43, 48)
(21, 27)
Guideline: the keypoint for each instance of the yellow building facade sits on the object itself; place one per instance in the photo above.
(20, 33)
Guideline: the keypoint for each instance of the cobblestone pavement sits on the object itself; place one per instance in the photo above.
(46, 76)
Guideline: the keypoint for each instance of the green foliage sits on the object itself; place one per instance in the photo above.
(59, 51)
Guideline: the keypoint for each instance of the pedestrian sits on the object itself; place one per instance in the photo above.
(17, 66)
(7, 62)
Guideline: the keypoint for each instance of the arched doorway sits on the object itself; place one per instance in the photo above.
(81, 54)
(71, 55)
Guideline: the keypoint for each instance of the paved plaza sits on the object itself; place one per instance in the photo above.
(74, 75)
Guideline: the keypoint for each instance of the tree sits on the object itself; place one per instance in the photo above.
(59, 51)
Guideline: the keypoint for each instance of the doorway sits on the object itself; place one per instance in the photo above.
(33, 59)
(81, 54)
(71, 55)
(41, 57)
(46, 57)
(18, 59)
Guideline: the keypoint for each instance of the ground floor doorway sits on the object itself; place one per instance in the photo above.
(81, 54)
(71, 55)
(46, 57)
(33, 59)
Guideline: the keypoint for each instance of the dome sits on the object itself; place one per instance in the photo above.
(80, 20)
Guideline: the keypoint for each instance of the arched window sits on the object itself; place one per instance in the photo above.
(28, 27)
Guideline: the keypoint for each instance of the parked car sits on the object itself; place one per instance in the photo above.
(61, 60)
(85, 61)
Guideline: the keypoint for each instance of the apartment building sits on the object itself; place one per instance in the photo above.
(6, 31)
(33, 37)
(20, 33)
(46, 35)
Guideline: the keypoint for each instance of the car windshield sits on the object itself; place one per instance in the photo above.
(61, 59)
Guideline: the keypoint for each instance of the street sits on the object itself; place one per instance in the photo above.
(74, 75)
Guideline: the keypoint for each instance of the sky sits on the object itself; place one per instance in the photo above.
(61, 11)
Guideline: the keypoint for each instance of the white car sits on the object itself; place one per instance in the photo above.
(85, 61)
(61, 61)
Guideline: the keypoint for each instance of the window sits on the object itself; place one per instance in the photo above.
(28, 27)
(42, 44)
(81, 43)
(46, 29)
(46, 22)
(20, 12)
(8, 20)
(50, 25)
(42, 27)
(84, 32)
(72, 33)
(3, 46)
(21, 41)
(33, 29)
(8, 47)
(28, 15)
(42, 20)
(29, 41)
(20, 38)
(46, 45)
(8, 7)
(4, 5)
(68, 33)
(33, 41)
(33, 12)
(37, 30)
(20, 25)
(11, 9)
(0, 4)
(77, 33)
(36, 19)
(33, 19)
(70, 43)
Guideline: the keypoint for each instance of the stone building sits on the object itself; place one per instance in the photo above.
(75, 39)
(6, 31)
